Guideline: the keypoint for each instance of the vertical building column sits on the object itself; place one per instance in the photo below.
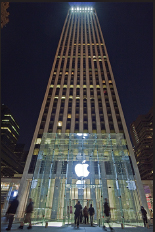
(94, 83)
(81, 79)
(92, 189)
(55, 84)
(106, 121)
(107, 84)
(87, 79)
(56, 191)
(69, 78)
(63, 75)
(75, 79)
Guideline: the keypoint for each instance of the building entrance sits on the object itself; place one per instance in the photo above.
(88, 168)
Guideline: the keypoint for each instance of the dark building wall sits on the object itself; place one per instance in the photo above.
(141, 131)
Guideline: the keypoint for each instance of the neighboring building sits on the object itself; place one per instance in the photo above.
(11, 163)
(81, 147)
(4, 13)
(141, 131)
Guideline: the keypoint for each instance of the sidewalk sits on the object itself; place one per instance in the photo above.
(82, 228)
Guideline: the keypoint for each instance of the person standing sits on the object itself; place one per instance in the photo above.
(77, 213)
(28, 212)
(151, 216)
(11, 212)
(85, 214)
(107, 214)
(144, 215)
(91, 212)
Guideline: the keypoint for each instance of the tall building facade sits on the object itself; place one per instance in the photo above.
(10, 165)
(81, 148)
(141, 131)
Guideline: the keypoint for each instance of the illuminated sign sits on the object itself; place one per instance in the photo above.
(81, 169)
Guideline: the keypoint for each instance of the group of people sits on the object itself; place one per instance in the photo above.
(79, 213)
(85, 212)
(12, 211)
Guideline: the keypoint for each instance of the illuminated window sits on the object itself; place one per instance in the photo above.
(12, 118)
(36, 151)
(38, 141)
(69, 116)
(59, 123)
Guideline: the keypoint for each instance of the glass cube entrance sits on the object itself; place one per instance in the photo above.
(85, 167)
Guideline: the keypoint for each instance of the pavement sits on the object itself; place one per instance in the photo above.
(57, 227)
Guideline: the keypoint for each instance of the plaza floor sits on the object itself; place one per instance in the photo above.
(57, 227)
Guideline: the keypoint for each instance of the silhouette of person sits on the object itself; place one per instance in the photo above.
(77, 213)
(28, 212)
(144, 215)
(11, 212)
(85, 214)
(107, 214)
(91, 212)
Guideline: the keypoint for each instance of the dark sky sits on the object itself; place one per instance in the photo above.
(28, 46)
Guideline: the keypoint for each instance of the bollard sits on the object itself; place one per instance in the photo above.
(46, 224)
(99, 223)
(122, 226)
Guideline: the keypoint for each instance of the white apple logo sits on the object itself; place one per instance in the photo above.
(81, 169)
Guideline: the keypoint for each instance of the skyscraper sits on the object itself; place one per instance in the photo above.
(81, 148)
(10, 164)
(141, 131)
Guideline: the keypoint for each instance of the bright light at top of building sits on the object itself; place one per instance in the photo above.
(83, 9)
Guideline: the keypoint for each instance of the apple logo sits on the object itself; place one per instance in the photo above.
(81, 169)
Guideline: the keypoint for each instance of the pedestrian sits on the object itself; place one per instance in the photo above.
(107, 214)
(144, 216)
(91, 212)
(28, 213)
(81, 217)
(11, 212)
(85, 214)
(151, 216)
(77, 213)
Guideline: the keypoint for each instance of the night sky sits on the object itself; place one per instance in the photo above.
(28, 46)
